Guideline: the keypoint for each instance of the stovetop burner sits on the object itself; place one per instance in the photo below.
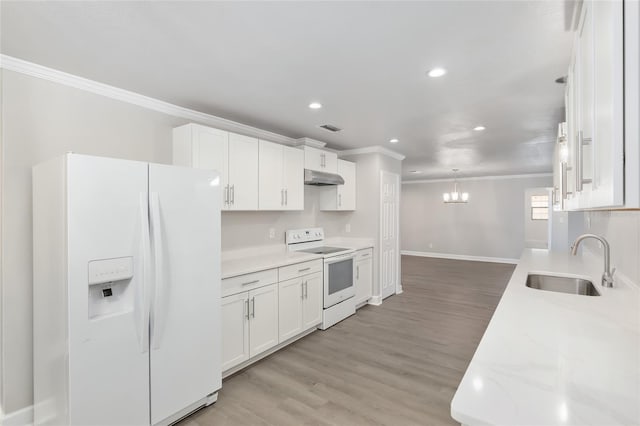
(324, 250)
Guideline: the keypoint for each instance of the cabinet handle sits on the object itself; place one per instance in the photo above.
(247, 307)
(253, 306)
(286, 197)
(365, 254)
(323, 160)
(339, 200)
(302, 290)
(306, 290)
(357, 272)
(251, 282)
(226, 194)
(565, 192)
(282, 197)
(304, 269)
(233, 194)
(582, 141)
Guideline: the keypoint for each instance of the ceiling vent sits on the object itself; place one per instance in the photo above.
(330, 128)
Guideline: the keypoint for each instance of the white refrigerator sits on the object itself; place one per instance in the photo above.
(126, 291)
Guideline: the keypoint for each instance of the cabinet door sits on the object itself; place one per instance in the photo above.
(293, 178)
(263, 323)
(243, 172)
(585, 103)
(330, 162)
(235, 330)
(312, 301)
(313, 158)
(290, 295)
(364, 279)
(607, 189)
(211, 151)
(270, 187)
(347, 192)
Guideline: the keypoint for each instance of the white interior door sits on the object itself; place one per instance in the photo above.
(107, 214)
(243, 172)
(185, 314)
(270, 187)
(389, 230)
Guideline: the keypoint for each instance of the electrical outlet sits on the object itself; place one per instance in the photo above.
(272, 233)
(347, 227)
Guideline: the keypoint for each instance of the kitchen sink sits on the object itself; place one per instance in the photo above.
(562, 284)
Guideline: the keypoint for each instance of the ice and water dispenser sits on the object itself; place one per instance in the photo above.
(110, 291)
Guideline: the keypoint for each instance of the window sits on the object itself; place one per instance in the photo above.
(539, 207)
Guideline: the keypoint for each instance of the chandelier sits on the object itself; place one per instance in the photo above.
(455, 196)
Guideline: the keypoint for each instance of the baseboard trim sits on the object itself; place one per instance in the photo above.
(22, 417)
(459, 257)
(375, 300)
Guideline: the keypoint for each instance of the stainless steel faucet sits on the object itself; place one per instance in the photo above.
(607, 276)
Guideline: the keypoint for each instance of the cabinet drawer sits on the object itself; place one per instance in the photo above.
(363, 254)
(299, 269)
(248, 282)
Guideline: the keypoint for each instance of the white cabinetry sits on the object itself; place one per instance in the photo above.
(234, 156)
(594, 168)
(341, 197)
(249, 316)
(364, 275)
(300, 303)
(320, 160)
(281, 177)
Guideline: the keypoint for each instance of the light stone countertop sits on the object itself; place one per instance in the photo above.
(551, 358)
(254, 259)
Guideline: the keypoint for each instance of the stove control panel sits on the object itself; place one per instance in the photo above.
(306, 235)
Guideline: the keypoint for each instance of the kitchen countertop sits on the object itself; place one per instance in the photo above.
(254, 259)
(551, 358)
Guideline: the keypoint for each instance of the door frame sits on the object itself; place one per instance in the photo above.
(396, 177)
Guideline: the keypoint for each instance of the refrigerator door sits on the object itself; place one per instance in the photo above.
(108, 268)
(185, 314)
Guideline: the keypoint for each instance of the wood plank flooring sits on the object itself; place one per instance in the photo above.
(395, 364)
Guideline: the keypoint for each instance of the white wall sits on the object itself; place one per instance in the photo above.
(491, 224)
(622, 230)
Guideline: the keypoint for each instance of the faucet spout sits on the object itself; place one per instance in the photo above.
(607, 275)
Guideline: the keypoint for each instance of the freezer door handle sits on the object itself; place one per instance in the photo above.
(157, 314)
(142, 291)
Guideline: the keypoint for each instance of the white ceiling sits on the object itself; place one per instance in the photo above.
(261, 63)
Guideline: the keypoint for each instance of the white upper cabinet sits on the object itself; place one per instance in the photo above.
(234, 156)
(320, 160)
(594, 169)
(281, 177)
(341, 197)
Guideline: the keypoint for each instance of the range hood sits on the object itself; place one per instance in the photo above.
(314, 177)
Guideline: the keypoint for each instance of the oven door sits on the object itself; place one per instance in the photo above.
(339, 279)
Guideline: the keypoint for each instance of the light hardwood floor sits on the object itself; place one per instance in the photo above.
(394, 364)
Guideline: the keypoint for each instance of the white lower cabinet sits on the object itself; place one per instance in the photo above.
(249, 324)
(300, 305)
(364, 275)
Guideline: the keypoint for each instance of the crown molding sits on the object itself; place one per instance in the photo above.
(375, 149)
(309, 142)
(499, 177)
(34, 70)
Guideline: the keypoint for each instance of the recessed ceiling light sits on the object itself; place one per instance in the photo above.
(415, 171)
(315, 105)
(479, 128)
(437, 72)
(394, 140)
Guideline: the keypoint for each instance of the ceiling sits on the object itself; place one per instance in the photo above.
(262, 63)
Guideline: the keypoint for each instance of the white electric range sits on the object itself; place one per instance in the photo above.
(339, 273)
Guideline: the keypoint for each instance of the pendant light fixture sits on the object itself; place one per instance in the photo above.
(455, 196)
